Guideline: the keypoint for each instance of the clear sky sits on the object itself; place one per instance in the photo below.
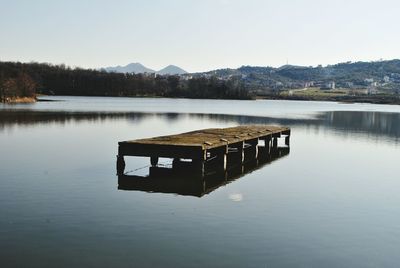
(199, 35)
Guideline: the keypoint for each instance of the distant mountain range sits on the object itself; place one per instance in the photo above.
(354, 75)
(130, 68)
(140, 68)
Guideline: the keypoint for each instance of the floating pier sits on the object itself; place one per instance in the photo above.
(208, 147)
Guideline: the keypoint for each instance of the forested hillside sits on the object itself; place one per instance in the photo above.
(352, 75)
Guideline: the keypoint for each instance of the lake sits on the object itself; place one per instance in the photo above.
(332, 201)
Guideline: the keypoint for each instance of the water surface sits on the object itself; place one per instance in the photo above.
(331, 202)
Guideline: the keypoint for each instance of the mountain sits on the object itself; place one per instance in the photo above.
(171, 70)
(288, 66)
(140, 68)
(130, 68)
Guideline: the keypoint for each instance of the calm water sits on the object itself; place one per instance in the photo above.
(333, 201)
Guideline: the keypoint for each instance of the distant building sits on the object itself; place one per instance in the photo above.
(186, 77)
(371, 90)
(309, 84)
(329, 85)
(386, 79)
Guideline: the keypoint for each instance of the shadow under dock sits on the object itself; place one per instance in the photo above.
(182, 180)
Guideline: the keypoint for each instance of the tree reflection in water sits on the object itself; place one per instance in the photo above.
(371, 124)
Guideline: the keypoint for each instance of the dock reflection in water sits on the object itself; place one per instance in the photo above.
(182, 180)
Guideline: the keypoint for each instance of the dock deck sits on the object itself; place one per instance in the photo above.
(201, 146)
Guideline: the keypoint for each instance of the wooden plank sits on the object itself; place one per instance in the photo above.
(211, 138)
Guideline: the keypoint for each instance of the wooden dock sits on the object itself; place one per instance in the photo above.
(216, 146)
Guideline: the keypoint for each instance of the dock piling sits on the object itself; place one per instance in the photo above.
(252, 150)
(120, 164)
(287, 140)
(154, 160)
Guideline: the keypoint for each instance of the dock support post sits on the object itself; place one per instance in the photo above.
(267, 143)
(287, 140)
(218, 158)
(222, 157)
(120, 164)
(241, 152)
(252, 151)
(275, 142)
(154, 160)
(236, 153)
(198, 165)
(223, 161)
(176, 163)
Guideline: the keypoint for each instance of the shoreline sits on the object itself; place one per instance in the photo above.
(380, 99)
(19, 100)
(386, 100)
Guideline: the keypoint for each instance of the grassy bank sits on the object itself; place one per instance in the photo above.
(19, 100)
(337, 95)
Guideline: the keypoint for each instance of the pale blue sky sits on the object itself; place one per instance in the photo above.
(199, 35)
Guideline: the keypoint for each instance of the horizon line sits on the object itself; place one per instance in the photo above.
(209, 70)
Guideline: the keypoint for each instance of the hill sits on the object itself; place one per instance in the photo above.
(352, 75)
(171, 70)
(130, 68)
(139, 68)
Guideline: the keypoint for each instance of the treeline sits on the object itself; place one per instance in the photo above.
(26, 79)
(18, 85)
